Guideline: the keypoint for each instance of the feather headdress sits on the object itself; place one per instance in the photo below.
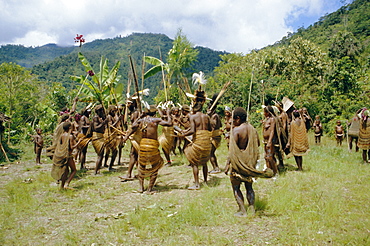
(199, 78)
(144, 92)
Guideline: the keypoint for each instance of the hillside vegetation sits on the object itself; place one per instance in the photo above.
(324, 67)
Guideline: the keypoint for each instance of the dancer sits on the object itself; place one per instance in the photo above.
(243, 156)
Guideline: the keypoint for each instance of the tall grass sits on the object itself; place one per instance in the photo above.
(327, 203)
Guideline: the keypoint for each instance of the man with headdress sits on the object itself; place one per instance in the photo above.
(364, 135)
(242, 160)
(198, 152)
(298, 141)
(99, 123)
(270, 138)
(216, 134)
(288, 107)
(150, 160)
(132, 112)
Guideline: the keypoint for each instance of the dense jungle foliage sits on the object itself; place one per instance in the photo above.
(324, 67)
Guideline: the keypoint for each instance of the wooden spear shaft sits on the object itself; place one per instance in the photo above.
(223, 90)
(136, 84)
(249, 97)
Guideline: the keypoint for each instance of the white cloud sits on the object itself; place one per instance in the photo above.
(32, 38)
(234, 26)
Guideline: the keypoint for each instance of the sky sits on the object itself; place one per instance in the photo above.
(224, 25)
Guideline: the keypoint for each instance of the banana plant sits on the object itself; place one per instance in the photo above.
(101, 87)
(180, 57)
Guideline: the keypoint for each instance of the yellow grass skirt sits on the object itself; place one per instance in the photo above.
(166, 139)
(198, 152)
(98, 142)
(299, 141)
(364, 136)
(216, 138)
(150, 160)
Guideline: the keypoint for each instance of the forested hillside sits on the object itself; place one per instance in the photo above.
(324, 67)
(354, 18)
(56, 64)
(29, 56)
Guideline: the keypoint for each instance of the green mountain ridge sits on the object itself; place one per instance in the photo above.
(52, 63)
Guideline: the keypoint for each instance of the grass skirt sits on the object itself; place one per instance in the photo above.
(198, 152)
(150, 160)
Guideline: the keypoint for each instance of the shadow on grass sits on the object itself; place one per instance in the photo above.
(83, 186)
(289, 167)
(214, 181)
(166, 188)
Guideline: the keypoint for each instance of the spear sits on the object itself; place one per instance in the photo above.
(249, 97)
(136, 84)
(163, 77)
(142, 73)
(223, 90)
(126, 107)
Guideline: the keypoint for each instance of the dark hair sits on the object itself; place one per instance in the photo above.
(296, 113)
(241, 113)
(64, 117)
(270, 109)
(197, 106)
(213, 100)
(66, 125)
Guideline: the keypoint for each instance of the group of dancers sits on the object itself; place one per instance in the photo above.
(188, 130)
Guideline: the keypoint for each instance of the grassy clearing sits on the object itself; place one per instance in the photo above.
(327, 204)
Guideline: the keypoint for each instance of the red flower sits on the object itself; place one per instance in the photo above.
(79, 39)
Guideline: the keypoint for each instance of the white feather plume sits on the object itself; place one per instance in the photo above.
(190, 95)
(199, 78)
(146, 105)
(145, 92)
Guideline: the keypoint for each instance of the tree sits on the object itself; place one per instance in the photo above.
(345, 44)
(99, 87)
(20, 94)
(180, 58)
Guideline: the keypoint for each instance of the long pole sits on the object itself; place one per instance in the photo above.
(249, 97)
(163, 77)
(136, 84)
(223, 90)
(142, 73)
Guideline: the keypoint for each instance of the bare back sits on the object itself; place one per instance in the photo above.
(201, 121)
(241, 136)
